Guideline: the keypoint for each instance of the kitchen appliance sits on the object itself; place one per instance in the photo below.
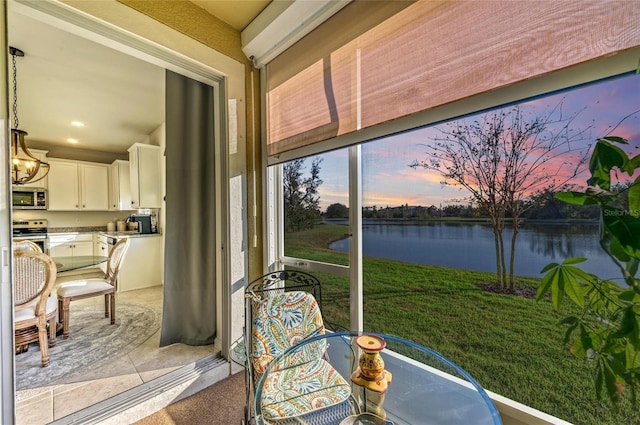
(33, 230)
(144, 223)
(29, 198)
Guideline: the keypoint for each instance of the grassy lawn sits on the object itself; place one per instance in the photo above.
(511, 345)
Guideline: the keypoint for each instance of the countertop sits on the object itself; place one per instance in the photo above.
(97, 229)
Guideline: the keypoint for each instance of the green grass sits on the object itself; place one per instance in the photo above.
(510, 345)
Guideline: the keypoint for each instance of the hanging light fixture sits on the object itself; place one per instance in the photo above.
(24, 166)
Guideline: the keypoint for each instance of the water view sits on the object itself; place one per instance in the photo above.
(470, 245)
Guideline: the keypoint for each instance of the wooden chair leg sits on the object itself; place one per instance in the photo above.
(106, 305)
(63, 306)
(53, 323)
(44, 343)
(112, 299)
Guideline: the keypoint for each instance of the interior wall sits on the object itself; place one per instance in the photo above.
(194, 22)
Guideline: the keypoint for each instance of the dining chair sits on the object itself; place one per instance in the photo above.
(26, 245)
(87, 288)
(34, 276)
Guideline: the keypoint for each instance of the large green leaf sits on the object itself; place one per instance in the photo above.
(634, 198)
(605, 157)
(576, 198)
(623, 227)
(628, 327)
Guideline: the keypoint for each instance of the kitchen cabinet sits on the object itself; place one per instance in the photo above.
(42, 156)
(119, 186)
(70, 244)
(143, 263)
(144, 167)
(77, 185)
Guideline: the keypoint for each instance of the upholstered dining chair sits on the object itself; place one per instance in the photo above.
(87, 288)
(34, 275)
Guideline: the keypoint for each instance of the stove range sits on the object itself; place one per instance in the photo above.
(33, 230)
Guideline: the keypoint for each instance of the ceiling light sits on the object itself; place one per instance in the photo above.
(24, 166)
(77, 123)
(73, 141)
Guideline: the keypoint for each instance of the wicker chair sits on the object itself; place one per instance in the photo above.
(88, 288)
(282, 308)
(34, 277)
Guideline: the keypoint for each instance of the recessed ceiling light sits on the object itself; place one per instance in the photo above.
(77, 123)
(74, 141)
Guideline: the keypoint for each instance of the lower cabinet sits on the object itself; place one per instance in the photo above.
(70, 245)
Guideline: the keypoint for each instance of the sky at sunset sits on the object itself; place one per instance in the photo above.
(389, 181)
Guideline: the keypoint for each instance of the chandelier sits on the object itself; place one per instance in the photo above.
(24, 166)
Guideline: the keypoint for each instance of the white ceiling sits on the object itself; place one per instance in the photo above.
(64, 77)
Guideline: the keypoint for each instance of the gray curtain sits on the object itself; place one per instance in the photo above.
(189, 314)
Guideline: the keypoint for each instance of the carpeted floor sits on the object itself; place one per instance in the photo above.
(219, 404)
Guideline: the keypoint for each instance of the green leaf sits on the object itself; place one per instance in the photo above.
(615, 139)
(628, 327)
(573, 289)
(633, 198)
(574, 260)
(549, 267)
(605, 156)
(623, 227)
(632, 356)
(629, 295)
(576, 198)
(547, 281)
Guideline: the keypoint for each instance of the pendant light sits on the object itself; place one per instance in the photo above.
(24, 166)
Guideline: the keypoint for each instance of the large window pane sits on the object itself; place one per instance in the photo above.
(430, 263)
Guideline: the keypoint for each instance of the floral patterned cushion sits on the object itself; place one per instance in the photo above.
(282, 321)
(303, 389)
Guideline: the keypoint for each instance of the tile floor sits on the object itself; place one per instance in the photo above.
(43, 405)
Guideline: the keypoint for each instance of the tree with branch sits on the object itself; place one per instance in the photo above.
(503, 157)
(301, 200)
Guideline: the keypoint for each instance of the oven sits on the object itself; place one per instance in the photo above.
(33, 230)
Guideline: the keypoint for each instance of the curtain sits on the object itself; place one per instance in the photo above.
(189, 314)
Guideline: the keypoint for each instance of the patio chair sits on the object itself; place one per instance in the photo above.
(34, 277)
(87, 288)
(282, 308)
(26, 245)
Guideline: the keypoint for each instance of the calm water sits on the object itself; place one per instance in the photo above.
(470, 245)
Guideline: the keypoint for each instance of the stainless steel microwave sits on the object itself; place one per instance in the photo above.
(29, 198)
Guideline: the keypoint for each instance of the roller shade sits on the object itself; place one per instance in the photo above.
(374, 62)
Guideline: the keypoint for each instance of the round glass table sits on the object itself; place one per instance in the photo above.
(382, 379)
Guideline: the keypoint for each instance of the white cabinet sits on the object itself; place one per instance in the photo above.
(42, 156)
(119, 186)
(76, 185)
(144, 165)
(70, 245)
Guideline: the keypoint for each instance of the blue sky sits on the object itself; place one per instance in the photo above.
(389, 181)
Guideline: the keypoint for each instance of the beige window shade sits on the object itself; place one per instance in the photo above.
(401, 58)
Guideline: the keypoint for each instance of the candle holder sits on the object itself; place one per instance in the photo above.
(371, 374)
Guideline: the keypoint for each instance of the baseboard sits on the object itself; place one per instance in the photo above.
(152, 396)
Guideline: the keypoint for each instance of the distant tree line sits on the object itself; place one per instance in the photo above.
(539, 206)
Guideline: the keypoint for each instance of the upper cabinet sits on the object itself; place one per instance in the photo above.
(119, 186)
(42, 156)
(144, 166)
(76, 185)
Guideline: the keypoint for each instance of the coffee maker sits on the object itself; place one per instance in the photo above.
(144, 223)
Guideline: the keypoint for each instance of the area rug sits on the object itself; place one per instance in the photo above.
(92, 342)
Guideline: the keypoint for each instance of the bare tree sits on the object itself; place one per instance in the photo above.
(301, 200)
(503, 157)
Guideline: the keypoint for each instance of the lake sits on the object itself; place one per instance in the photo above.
(471, 246)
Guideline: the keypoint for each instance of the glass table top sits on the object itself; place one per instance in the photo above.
(420, 385)
(65, 264)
